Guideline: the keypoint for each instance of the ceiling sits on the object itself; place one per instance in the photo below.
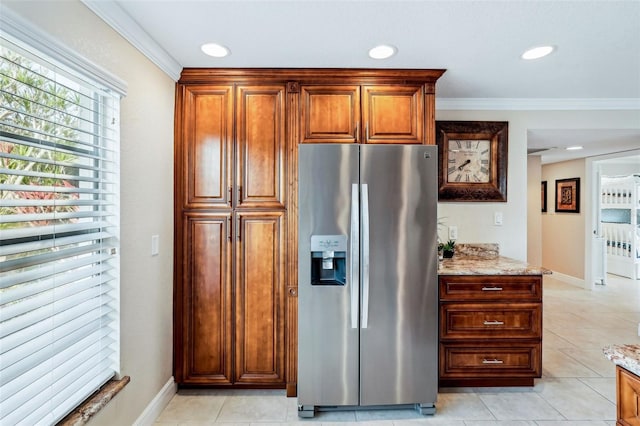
(596, 64)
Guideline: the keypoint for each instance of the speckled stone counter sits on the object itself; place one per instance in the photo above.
(483, 259)
(626, 356)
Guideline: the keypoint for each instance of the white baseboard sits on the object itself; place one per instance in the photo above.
(578, 282)
(157, 404)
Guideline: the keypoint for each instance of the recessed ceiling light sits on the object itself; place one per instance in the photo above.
(538, 52)
(214, 49)
(573, 148)
(383, 51)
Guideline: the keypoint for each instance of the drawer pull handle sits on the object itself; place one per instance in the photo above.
(492, 361)
(494, 288)
(494, 323)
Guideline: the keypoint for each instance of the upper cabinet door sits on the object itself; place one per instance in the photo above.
(330, 114)
(393, 114)
(260, 148)
(206, 146)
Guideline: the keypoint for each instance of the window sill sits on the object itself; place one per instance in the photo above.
(94, 403)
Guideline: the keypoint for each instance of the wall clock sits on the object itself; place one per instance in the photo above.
(472, 160)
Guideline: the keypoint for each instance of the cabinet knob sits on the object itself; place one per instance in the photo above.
(293, 291)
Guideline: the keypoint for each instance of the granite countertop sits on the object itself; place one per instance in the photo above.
(484, 259)
(626, 356)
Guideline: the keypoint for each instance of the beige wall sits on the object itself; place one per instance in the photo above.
(534, 205)
(146, 198)
(563, 234)
(475, 220)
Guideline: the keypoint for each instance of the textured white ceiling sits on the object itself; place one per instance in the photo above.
(478, 42)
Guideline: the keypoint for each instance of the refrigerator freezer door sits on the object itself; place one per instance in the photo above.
(327, 339)
(398, 349)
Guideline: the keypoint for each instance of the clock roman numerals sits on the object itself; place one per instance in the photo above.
(468, 161)
(472, 160)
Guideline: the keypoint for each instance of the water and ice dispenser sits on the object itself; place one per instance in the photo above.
(328, 259)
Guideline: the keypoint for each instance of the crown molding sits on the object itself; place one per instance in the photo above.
(111, 13)
(537, 104)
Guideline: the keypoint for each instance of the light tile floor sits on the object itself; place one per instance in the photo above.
(577, 387)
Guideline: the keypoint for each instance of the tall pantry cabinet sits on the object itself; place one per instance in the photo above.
(230, 216)
(237, 134)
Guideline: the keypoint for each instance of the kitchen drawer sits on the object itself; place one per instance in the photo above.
(490, 287)
(490, 320)
(494, 360)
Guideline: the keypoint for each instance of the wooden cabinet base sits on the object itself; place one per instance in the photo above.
(490, 330)
(627, 395)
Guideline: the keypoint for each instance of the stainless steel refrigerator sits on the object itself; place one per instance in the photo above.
(367, 262)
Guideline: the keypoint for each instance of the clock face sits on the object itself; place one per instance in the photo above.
(468, 161)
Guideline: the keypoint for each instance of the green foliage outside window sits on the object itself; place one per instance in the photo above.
(35, 113)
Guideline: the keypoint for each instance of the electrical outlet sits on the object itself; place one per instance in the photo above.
(453, 232)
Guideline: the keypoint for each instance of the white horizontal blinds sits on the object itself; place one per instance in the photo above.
(59, 230)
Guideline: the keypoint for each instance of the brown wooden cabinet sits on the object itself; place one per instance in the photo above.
(362, 114)
(230, 228)
(627, 397)
(235, 265)
(490, 330)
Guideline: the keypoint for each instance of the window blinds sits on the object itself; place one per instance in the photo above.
(59, 232)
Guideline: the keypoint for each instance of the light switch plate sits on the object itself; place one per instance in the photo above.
(155, 245)
(497, 218)
(453, 232)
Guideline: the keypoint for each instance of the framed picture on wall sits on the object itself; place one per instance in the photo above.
(543, 194)
(568, 195)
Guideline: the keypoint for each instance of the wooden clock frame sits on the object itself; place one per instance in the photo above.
(497, 132)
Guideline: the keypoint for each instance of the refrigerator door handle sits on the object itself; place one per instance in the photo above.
(355, 254)
(365, 255)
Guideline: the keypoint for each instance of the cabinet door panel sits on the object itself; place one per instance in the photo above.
(260, 146)
(207, 333)
(260, 298)
(330, 114)
(207, 139)
(393, 114)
